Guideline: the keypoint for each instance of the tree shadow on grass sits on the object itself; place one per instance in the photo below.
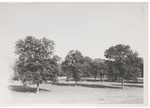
(88, 85)
(24, 89)
(93, 80)
(134, 82)
(139, 86)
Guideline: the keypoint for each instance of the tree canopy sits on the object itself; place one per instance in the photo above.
(125, 60)
(86, 66)
(73, 64)
(36, 62)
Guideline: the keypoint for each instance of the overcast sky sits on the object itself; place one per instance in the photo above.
(88, 27)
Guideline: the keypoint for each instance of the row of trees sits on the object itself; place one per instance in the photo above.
(77, 66)
(121, 63)
(38, 63)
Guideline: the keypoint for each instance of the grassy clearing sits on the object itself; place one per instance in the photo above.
(87, 92)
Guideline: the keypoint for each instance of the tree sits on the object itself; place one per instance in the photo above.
(36, 62)
(112, 70)
(96, 67)
(142, 68)
(133, 65)
(86, 66)
(53, 69)
(102, 69)
(122, 56)
(73, 65)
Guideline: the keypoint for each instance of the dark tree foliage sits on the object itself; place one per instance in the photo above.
(99, 68)
(86, 67)
(36, 62)
(96, 67)
(112, 71)
(103, 69)
(142, 68)
(126, 61)
(73, 65)
(133, 66)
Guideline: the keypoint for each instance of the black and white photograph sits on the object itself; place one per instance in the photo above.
(74, 53)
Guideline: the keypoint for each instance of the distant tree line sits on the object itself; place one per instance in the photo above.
(37, 63)
(121, 63)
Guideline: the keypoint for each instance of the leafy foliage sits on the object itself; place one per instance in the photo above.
(132, 66)
(124, 62)
(73, 64)
(86, 66)
(112, 71)
(99, 68)
(36, 62)
(96, 67)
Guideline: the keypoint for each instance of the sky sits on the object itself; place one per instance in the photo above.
(88, 27)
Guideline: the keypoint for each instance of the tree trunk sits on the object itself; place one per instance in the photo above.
(84, 77)
(122, 83)
(37, 88)
(95, 77)
(136, 79)
(75, 83)
(103, 78)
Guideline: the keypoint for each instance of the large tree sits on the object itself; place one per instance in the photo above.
(73, 65)
(112, 71)
(102, 69)
(133, 66)
(96, 66)
(36, 62)
(124, 60)
(86, 66)
(99, 68)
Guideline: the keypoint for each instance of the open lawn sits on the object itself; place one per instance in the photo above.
(87, 92)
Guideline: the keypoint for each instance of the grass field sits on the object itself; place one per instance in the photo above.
(87, 92)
